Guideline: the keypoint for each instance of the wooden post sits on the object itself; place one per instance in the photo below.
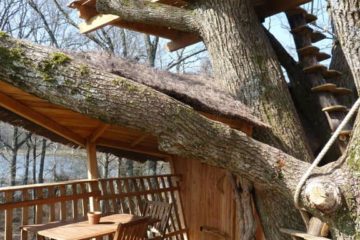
(92, 170)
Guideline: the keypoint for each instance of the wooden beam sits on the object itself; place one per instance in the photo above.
(92, 169)
(139, 140)
(300, 234)
(97, 22)
(39, 119)
(121, 146)
(182, 42)
(98, 132)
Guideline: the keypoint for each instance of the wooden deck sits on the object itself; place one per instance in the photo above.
(43, 203)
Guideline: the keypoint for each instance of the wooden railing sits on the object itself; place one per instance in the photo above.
(42, 203)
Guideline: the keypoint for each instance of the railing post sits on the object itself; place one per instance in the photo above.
(92, 170)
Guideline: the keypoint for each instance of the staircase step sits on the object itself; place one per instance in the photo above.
(321, 56)
(309, 50)
(303, 235)
(335, 108)
(330, 73)
(310, 17)
(302, 30)
(344, 135)
(296, 11)
(317, 36)
(326, 87)
(317, 68)
(342, 91)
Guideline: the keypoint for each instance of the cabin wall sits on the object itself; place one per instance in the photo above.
(207, 198)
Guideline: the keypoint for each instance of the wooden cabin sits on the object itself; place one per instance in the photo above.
(204, 195)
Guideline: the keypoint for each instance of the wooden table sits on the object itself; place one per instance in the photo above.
(81, 230)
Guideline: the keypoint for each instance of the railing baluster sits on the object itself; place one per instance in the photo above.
(62, 204)
(84, 201)
(113, 199)
(120, 199)
(51, 194)
(24, 214)
(8, 216)
(74, 202)
(39, 207)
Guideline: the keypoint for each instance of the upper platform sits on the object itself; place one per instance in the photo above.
(179, 39)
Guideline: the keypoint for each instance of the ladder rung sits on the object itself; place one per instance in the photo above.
(301, 234)
(310, 17)
(335, 108)
(317, 36)
(307, 51)
(317, 68)
(321, 56)
(327, 87)
(330, 73)
(342, 91)
(302, 29)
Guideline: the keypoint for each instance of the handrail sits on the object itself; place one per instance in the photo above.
(44, 185)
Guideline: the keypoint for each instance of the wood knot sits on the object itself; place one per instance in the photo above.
(323, 195)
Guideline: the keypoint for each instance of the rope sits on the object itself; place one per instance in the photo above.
(323, 152)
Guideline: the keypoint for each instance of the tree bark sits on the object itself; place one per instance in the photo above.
(345, 17)
(246, 66)
(42, 161)
(147, 12)
(110, 96)
(27, 164)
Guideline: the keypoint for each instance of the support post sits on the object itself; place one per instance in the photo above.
(92, 170)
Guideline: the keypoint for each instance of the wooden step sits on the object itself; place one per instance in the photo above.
(330, 73)
(296, 11)
(344, 135)
(302, 30)
(326, 87)
(303, 235)
(317, 36)
(308, 51)
(335, 108)
(317, 68)
(342, 91)
(321, 56)
(310, 17)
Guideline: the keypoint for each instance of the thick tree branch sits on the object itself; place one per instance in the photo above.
(117, 100)
(147, 12)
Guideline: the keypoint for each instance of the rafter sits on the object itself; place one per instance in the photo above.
(43, 121)
(98, 132)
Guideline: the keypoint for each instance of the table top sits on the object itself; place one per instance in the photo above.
(80, 230)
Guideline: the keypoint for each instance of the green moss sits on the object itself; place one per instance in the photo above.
(354, 159)
(3, 34)
(10, 55)
(46, 67)
(84, 70)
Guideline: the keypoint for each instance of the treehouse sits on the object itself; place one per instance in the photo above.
(205, 197)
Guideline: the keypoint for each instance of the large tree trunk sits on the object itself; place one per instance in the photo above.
(174, 124)
(345, 17)
(246, 66)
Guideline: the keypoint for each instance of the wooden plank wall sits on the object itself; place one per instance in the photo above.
(208, 200)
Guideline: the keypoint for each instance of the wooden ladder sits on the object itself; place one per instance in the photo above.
(318, 74)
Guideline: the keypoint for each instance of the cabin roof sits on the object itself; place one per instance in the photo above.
(62, 125)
